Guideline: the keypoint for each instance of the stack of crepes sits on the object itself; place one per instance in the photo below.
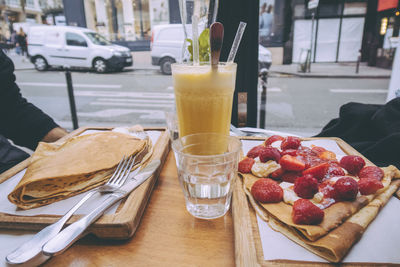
(58, 171)
(343, 224)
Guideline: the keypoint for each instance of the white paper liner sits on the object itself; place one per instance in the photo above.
(379, 243)
(59, 207)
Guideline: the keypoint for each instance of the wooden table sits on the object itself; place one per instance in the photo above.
(167, 236)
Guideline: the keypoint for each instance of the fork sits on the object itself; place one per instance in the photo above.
(246, 133)
(34, 246)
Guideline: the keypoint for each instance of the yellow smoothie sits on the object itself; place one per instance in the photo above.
(204, 97)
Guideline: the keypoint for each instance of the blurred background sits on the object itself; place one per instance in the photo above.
(319, 56)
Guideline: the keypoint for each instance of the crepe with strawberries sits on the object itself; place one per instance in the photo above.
(345, 214)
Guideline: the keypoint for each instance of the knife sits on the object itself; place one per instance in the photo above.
(73, 232)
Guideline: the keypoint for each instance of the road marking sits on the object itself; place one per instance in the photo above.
(77, 85)
(98, 103)
(170, 88)
(136, 100)
(363, 91)
(108, 113)
(124, 94)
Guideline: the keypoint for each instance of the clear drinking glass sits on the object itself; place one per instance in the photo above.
(206, 174)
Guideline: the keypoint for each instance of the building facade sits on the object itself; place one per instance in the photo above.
(335, 31)
(11, 12)
(128, 22)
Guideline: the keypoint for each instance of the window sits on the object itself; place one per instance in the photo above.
(74, 39)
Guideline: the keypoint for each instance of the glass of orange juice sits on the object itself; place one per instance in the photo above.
(204, 97)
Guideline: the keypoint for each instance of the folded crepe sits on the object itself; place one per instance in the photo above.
(59, 171)
(343, 224)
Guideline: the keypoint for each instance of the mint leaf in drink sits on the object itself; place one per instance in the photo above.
(204, 46)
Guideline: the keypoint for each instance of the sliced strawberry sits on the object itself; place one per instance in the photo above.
(306, 186)
(291, 152)
(272, 139)
(290, 177)
(317, 150)
(290, 142)
(327, 188)
(268, 153)
(371, 172)
(291, 163)
(255, 151)
(319, 171)
(276, 175)
(334, 170)
(368, 186)
(346, 189)
(305, 212)
(353, 164)
(267, 191)
(327, 155)
(245, 165)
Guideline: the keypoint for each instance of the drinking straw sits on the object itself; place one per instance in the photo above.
(195, 23)
(236, 41)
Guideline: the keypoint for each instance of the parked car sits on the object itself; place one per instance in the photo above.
(75, 47)
(167, 45)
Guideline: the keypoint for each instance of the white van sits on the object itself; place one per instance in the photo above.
(75, 47)
(167, 43)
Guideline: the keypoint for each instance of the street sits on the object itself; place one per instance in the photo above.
(294, 104)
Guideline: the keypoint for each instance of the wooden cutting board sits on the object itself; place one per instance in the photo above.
(123, 223)
(248, 248)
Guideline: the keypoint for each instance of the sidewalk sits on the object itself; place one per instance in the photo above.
(333, 70)
(20, 62)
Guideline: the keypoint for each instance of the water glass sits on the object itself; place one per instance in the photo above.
(207, 169)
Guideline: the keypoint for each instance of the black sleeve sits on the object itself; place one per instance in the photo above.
(373, 130)
(20, 120)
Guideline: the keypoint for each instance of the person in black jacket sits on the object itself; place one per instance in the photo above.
(20, 121)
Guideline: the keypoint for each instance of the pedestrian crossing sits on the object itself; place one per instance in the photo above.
(109, 104)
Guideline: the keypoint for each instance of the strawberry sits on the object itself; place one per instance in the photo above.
(266, 190)
(371, 172)
(268, 153)
(334, 170)
(291, 152)
(276, 175)
(255, 151)
(291, 163)
(369, 186)
(319, 171)
(346, 189)
(290, 177)
(327, 189)
(290, 142)
(317, 150)
(245, 165)
(305, 212)
(272, 139)
(306, 186)
(353, 164)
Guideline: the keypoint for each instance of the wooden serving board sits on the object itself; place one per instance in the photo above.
(248, 248)
(123, 223)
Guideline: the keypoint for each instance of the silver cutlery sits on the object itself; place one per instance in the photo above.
(239, 132)
(73, 232)
(33, 247)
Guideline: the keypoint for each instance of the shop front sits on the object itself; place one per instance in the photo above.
(126, 22)
(388, 20)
